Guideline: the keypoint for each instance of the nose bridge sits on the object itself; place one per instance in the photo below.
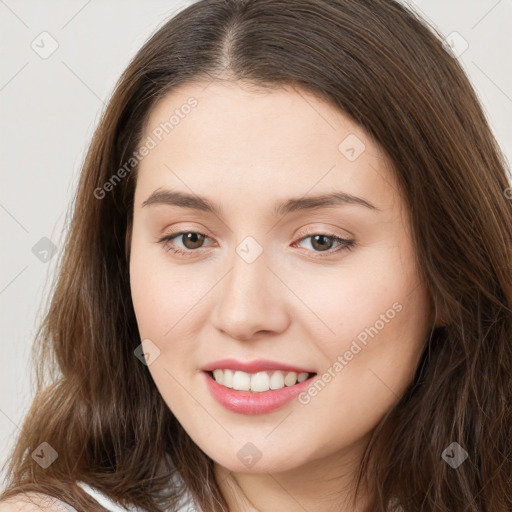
(249, 297)
(248, 282)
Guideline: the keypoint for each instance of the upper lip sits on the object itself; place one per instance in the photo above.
(258, 365)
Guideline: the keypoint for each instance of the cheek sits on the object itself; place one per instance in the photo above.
(158, 300)
(367, 369)
(381, 323)
(165, 297)
(380, 317)
(374, 295)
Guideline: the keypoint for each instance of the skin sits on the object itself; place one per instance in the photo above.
(245, 149)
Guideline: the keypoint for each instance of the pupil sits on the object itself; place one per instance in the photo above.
(321, 246)
(189, 237)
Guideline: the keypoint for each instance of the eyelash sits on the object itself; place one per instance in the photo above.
(344, 243)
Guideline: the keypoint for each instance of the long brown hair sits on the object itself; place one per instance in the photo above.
(383, 66)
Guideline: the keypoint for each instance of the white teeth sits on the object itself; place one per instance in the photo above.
(241, 381)
(290, 379)
(277, 380)
(257, 382)
(260, 382)
(302, 377)
(228, 378)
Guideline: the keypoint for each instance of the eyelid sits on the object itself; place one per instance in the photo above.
(323, 231)
(168, 232)
(304, 232)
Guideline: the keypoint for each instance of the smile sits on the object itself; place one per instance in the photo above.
(257, 382)
(255, 387)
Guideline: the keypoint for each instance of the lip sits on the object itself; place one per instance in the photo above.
(251, 403)
(258, 365)
(247, 402)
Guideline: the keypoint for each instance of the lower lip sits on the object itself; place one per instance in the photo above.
(247, 402)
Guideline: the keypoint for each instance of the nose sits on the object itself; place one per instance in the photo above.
(251, 301)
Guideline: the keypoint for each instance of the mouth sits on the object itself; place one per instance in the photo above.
(261, 392)
(258, 382)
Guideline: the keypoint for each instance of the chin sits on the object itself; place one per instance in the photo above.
(249, 461)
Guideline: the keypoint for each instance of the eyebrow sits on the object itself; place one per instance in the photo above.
(196, 202)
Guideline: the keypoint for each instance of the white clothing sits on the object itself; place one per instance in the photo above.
(185, 506)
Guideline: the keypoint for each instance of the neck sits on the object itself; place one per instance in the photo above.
(322, 485)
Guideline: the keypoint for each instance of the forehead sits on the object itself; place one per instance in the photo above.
(238, 139)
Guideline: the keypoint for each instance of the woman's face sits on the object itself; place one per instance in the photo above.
(297, 255)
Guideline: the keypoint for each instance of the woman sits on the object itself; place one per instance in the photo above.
(287, 281)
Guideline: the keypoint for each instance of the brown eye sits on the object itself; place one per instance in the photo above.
(322, 242)
(192, 240)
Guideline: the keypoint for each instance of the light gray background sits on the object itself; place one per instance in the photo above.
(49, 108)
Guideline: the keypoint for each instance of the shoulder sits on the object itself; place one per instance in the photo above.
(34, 502)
